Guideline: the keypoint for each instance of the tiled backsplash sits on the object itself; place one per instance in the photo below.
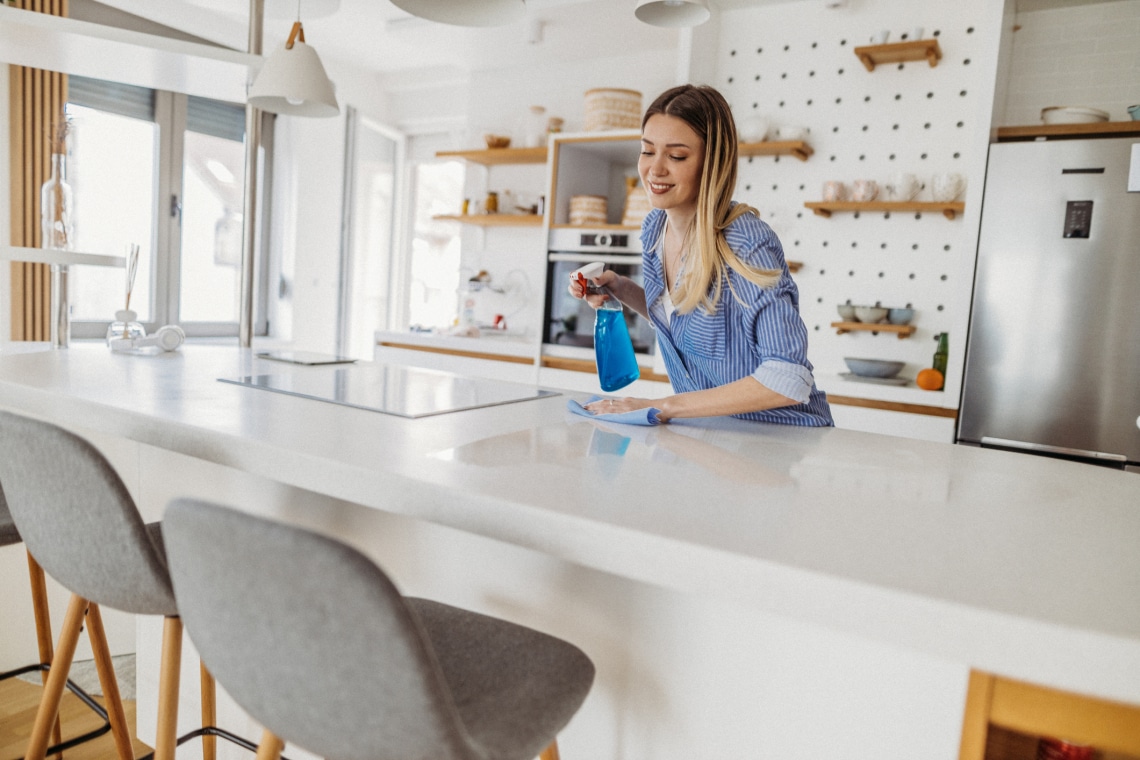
(1085, 55)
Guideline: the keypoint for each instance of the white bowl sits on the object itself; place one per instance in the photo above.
(791, 133)
(1072, 115)
(870, 314)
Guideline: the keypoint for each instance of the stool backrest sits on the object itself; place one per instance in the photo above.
(310, 637)
(77, 519)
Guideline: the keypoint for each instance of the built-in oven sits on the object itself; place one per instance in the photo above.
(570, 321)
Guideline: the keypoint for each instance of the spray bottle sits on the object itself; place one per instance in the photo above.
(613, 348)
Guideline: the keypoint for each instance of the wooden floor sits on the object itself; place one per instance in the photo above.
(18, 703)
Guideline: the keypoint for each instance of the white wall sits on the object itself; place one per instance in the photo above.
(1087, 55)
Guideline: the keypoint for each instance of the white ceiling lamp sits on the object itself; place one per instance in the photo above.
(673, 13)
(466, 12)
(293, 82)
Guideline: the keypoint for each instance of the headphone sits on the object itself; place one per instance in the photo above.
(168, 338)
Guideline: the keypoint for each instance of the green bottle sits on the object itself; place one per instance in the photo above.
(942, 353)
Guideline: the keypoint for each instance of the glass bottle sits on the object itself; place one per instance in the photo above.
(942, 353)
(125, 327)
(613, 348)
(57, 232)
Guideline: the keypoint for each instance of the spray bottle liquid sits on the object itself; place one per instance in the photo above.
(613, 348)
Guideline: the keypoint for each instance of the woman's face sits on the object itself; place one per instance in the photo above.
(672, 156)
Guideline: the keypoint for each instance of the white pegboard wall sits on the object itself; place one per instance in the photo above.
(794, 64)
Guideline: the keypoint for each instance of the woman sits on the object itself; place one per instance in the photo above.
(717, 289)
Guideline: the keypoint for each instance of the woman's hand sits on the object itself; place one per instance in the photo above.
(622, 405)
(606, 279)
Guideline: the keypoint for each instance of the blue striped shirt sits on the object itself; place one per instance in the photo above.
(763, 337)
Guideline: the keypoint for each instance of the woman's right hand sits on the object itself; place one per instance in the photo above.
(606, 279)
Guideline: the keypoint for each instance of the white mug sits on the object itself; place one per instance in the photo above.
(864, 190)
(947, 187)
(901, 187)
(834, 191)
(916, 33)
(880, 38)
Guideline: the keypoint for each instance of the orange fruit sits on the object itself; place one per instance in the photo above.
(929, 379)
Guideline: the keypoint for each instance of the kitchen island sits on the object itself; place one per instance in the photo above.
(745, 589)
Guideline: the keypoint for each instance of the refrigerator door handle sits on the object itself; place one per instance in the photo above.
(988, 441)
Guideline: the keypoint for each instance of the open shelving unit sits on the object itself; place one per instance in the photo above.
(903, 331)
(827, 208)
(900, 52)
(494, 220)
(498, 156)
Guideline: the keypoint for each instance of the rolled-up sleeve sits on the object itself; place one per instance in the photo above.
(792, 380)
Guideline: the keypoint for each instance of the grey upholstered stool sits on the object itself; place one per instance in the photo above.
(78, 521)
(315, 643)
(9, 536)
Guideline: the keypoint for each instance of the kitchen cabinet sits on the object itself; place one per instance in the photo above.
(594, 163)
(1004, 720)
(900, 52)
(827, 208)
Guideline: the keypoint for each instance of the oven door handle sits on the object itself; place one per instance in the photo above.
(629, 259)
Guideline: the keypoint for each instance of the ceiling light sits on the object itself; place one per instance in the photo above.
(673, 13)
(293, 82)
(465, 12)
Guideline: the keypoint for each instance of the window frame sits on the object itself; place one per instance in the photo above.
(170, 116)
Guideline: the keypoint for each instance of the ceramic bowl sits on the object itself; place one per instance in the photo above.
(497, 141)
(870, 314)
(846, 312)
(791, 132)
(872, 367)
(1072, 115)
(900, 316)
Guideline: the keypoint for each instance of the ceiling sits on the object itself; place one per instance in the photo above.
(378, 36)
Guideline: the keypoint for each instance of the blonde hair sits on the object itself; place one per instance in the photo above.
(709, 255)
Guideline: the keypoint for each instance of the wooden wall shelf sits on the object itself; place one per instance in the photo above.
(797, 148)
(498, 156)
(1068, 131)
(584, 227)
(827, 208)
(900, 52)
(903, 331)
(494, 220)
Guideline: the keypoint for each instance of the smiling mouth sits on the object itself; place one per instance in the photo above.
(656, 188)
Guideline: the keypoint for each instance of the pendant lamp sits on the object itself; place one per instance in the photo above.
(465, 12)
(673, 13)
(293, 82)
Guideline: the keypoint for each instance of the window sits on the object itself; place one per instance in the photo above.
(164, 171)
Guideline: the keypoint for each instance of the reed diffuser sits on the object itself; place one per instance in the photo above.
(125, 326)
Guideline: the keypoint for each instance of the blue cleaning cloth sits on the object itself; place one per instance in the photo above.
(647, 416)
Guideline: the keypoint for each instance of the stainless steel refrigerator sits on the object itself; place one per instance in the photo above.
(1053, 353)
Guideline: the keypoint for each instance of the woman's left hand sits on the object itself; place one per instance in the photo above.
(620, 405)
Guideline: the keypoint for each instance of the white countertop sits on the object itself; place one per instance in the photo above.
(1018, 565)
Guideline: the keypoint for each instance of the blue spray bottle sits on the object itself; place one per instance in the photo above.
(613, 348)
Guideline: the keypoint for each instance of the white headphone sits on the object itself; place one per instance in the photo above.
(168, 338)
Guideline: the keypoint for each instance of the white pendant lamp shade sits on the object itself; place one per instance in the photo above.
(466, 12)
(292, 81)
(674, 13)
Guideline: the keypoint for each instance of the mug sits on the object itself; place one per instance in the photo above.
(901, 187)
(834, 191)
(753, 129)
(916, 33)
(880, 38)
(947, 187)
(864, 190)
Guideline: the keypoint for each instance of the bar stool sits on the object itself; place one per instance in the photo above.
(9, 536)
(315, 642)
(79, 522)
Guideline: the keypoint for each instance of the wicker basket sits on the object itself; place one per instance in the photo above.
(608, 108)
(587, 210)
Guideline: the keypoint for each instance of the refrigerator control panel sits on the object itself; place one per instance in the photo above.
(1078, 219)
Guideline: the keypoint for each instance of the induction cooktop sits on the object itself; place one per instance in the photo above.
(402, 391)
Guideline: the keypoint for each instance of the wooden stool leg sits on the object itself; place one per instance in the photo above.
(551, 752)
(270, 747)
(209, 713)
(168, 681)
(57, 679)
(42, 615)
(110, 684)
